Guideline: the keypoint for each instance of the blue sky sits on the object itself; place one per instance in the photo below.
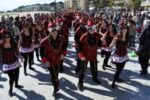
(11, 4)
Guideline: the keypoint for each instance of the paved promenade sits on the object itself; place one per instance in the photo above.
(37, 85)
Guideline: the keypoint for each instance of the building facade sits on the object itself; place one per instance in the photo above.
(83, 4)
(86, 4)
(77, 4)
(146, 5)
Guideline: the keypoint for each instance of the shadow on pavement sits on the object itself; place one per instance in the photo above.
(119, 93)
(70, 69)
(61, 96)
(31, 95)
(133, 61)
(71, 54)
(2, 79)
(70, 88)
(42, 77)
(1, 86)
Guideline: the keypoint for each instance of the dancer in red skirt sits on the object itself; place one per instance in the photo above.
(26, 46)
(120, 56)
(10, 60)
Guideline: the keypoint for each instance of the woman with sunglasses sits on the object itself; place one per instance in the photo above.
(53, 51)
(10, 60)
(120, 56)
(25, 45)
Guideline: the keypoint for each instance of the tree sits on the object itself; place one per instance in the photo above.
(98, 4)
(111, 3)
(135, 4)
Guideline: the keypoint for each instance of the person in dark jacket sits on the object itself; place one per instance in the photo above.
(53, 51)
(144, 50)
(88, 45)
(78, 33)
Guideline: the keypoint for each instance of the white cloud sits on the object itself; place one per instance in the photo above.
(11, 4)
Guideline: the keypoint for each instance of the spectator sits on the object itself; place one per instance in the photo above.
(132, 33)
(144, 50)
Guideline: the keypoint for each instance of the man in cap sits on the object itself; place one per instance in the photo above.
(52, 52)
(88, 45)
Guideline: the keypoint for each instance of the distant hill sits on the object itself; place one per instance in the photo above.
(40, 7)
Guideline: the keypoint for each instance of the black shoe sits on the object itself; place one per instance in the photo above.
(25, 73)
(19, 86)
(97, 81)
(10, 93)
(108, 66)
(55, 92)
(80, 86)
(31, 68)
(32, 63)
(39, 60)
(120, 80)
(77, 71)
(113, 85)
(103, 67)
(143, 72)
(102, 55)
(61, 70)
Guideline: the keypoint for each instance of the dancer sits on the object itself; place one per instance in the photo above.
(52, 53)
(78, 33)
(26, 46)
(120, 56)
(144, 50)
(88, 45)
(10, 60)
(106, 50)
